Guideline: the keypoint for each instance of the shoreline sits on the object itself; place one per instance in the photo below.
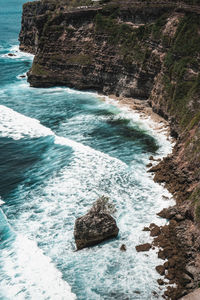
(172, 241)
(168, 231)
(160, 234)
(177, 243)
(145, 112)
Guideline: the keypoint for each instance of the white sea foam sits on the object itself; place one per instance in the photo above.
(1, 202)
(22, 76)
(48, 212)
(17, 126)
(159, 132)
(30, 274)
(17, 54)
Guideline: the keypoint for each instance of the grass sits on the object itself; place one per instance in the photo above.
(128, 39)
(81, 59)
(181, 57)
(37, 69)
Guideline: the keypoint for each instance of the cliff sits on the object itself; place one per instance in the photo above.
(144, 50)
(96, 48)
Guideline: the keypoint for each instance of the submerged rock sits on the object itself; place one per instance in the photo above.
(96, 226)
(123, 247)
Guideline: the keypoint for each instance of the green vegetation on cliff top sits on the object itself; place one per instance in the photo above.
(182, 79)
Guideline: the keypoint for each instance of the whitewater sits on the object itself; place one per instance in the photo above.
(60, 150)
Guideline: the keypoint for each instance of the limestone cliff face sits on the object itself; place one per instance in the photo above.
(35, 15)
(97, 48)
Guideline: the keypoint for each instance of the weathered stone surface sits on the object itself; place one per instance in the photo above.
(94, 227)
(155, 230)
(146, 229)
(143, 247)
(160, 282)
(160, 269)
(168, 213)
(149, 165)
(71, 51)
(192, 296)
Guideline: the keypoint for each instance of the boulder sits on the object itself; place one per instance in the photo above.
(123, 247)
(160, 269)
(143, 247)
(95, 226)
(155, 230)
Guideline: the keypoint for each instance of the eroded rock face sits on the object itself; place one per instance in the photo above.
(94, 227)
(73, 48)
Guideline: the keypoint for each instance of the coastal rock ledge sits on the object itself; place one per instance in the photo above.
(95, 226)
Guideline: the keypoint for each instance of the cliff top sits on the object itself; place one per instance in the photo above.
(73, 5)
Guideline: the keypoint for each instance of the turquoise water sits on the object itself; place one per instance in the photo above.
(61, 149)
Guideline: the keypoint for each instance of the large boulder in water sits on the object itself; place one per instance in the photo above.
(96, 226)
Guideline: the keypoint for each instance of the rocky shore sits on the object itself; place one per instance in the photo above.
(178, 243)
(149, 52)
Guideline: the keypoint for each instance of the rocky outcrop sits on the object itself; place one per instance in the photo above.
(180, 244)
(96, 226)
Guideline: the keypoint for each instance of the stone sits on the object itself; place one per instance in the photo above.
(155, 231)
(123, 247)
(167, 213)
(161, 254)
(149, 165)
(143, 247)
(11, 54)
(160, 269)
(179, 218)
(166, 265)
(170, 274)
(171, 263)
(155, 294)
(192, 271)
(160, 282)
(186, 279)
(146, 229)
(95, 226)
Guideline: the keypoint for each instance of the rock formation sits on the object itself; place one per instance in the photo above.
(95, 226)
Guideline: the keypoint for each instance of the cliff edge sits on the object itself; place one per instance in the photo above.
(144, 50)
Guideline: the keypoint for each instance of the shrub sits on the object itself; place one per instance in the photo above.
(103, 204)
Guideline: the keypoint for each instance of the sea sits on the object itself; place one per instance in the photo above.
(60, 150)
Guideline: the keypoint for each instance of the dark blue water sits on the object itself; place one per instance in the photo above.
(61, 149)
